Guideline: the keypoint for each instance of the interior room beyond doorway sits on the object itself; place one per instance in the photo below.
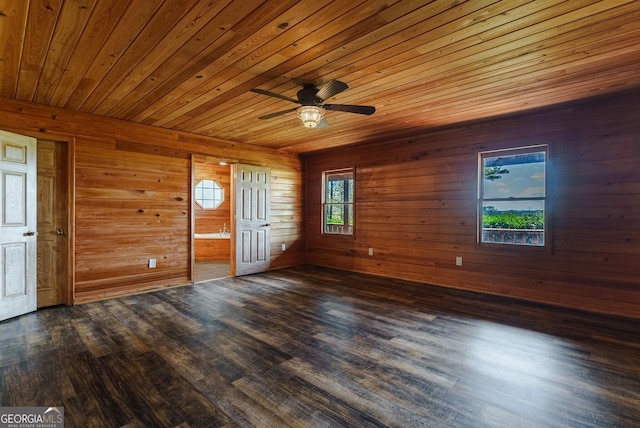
(212, 209)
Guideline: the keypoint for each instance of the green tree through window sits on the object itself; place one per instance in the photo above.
(337, 204)
(512, 196)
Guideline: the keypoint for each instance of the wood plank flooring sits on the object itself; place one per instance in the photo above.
(314, 347)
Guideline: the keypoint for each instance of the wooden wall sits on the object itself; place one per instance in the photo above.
(132, 197)
(130, 207)
(416, 207)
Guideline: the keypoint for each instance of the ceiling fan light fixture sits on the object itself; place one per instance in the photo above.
(310, 115)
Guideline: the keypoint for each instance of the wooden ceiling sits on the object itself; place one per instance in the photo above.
(189, 65)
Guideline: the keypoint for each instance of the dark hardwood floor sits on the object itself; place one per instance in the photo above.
(314, 347)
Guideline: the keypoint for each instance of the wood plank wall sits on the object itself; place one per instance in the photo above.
(130, 207)
(416, 207)
(132, 197)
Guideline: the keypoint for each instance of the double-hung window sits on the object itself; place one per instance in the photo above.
(338, 201)
(513, 202)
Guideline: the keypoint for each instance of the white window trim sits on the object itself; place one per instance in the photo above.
(509, 151)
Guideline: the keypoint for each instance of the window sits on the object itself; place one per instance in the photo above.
(337, 201)
(513, 201)
(209, 194)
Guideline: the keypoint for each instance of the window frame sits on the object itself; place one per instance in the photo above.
(351, 204)
(215, 188)
(547, 198)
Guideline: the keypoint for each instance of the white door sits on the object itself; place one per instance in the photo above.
(18, 280)
(252, 212)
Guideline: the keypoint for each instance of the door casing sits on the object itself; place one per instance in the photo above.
(67, 257)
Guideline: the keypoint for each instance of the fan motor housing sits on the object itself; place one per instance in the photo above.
(307, 95)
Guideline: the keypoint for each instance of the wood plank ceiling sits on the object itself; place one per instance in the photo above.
(190, 64)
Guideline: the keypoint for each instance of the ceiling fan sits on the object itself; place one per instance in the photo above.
(311, 99)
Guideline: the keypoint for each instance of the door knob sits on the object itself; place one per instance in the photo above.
(59, 232)
(266, 225)
(30, 233)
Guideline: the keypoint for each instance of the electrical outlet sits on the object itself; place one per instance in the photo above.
(458, 261)
(371, 251)
(284, 247)
(152, 263)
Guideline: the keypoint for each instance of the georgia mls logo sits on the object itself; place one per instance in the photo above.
(31, 417)
(54, 410)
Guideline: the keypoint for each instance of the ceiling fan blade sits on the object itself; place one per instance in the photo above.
(350, 108)
(272, 94)
(276, 114)
(331, 88)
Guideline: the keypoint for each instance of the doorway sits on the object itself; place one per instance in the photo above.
(34, 265)
(212, 219)
(53, 230)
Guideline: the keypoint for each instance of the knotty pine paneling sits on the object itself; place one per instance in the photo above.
(416, 207)
(132, 197)
(213, 249)
(129, 195)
